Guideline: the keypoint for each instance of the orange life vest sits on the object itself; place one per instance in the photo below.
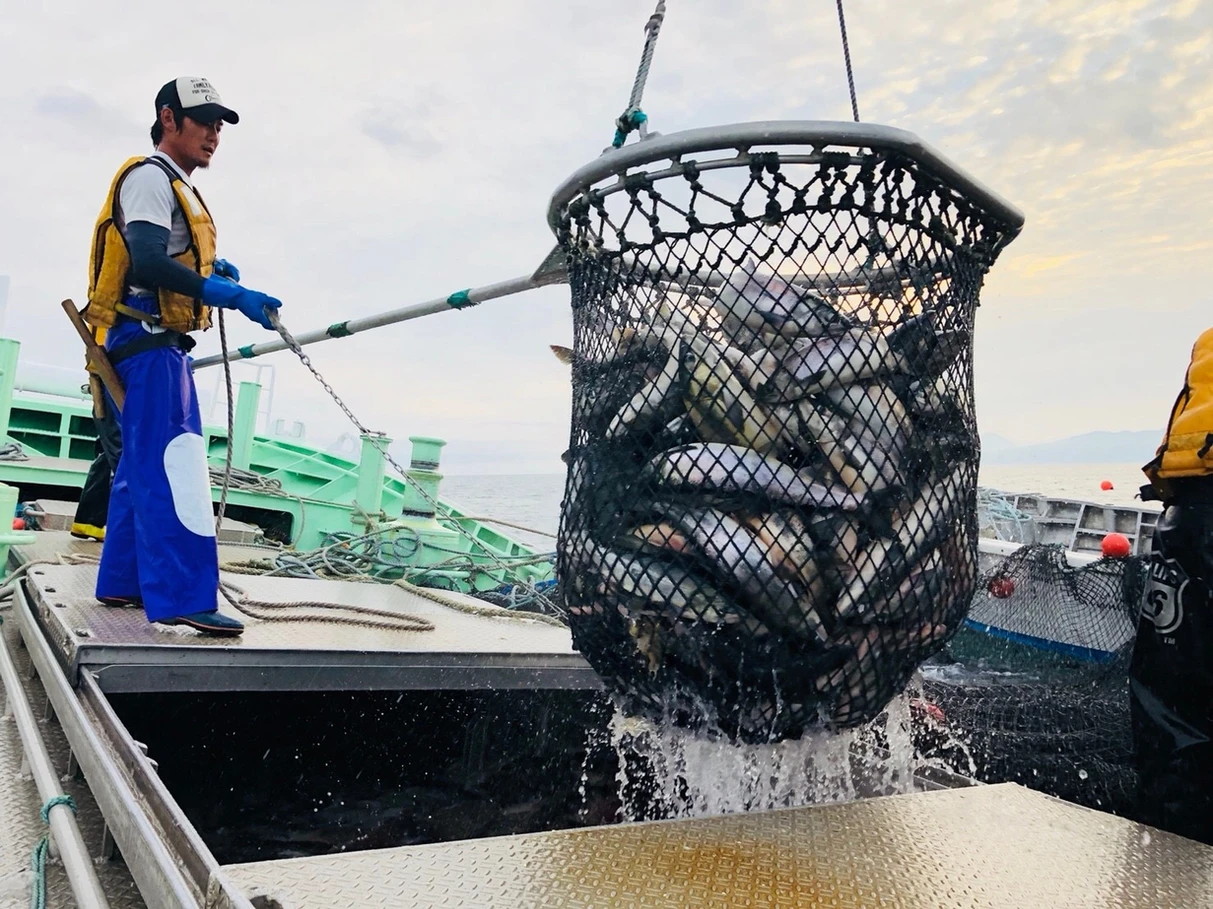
(110, 261)
(1187, 446)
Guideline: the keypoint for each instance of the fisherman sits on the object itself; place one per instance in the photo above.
(1171, 674)
(154, 278)
(91, 510)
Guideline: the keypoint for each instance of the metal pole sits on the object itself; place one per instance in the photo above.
(245, 425)
(551, 271)
(77, 862)
(371, 469)
(9, 352)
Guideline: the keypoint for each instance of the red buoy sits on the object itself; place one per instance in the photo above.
(1001, 587)
(1106, 485)
(1116, 546)
(18, 523)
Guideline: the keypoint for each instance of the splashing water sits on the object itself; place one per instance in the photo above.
(665, 771)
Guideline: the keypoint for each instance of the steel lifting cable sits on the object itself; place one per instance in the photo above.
(846, 55)
(634, 117)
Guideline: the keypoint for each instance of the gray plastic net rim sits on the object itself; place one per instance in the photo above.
(818, 136)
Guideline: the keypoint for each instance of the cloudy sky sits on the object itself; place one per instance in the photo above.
(391, 152)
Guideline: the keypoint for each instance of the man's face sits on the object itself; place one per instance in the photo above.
(189, 142)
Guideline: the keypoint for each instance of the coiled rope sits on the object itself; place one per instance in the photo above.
(377, 439)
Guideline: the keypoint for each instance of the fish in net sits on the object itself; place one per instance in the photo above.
(769, 520)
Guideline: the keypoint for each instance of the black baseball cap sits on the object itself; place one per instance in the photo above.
(196, 98)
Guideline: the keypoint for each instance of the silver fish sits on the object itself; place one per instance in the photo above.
(740, 557)
(791, 551)
(812, 365)
(759, 300)
(732, 469)
(655, 537)
(914, 529)
(670, 324)
(670, 611)
(875, 414)
(651, 399)
(675, 591)
(930, 397)
(861, 464)
(916, 593)
(625, 342)
(723, 408)
(678, 431)
(755, 367)
(715, 649)
(929, 348)
(836, 535)
(851, 690)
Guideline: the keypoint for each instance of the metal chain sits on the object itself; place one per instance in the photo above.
(227, 464)
(376, 440)
(846, 54)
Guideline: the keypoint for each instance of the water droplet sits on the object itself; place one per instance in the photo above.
(1145, 837)
(1082, 774)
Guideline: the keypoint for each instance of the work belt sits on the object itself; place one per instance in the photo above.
(1182, 491)
(150, 341)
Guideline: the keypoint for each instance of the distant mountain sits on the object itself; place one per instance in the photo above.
(1134, 447)
(994, 444)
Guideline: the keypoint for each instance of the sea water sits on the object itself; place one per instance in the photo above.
(534, 499)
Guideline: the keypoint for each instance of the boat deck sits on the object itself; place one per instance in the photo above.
(126, 653)
(988, 847)
(991, 847)
(20, 824)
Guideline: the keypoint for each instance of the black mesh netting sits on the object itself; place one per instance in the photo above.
(769, 520)
(1034, 689)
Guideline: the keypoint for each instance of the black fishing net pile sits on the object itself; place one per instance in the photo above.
(769, 517)
(1049, 708)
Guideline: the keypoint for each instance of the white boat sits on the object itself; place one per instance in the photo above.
(1031, 611)
(1076, 524)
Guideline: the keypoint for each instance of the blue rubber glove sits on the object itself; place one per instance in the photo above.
(225, 269)
(224, 294)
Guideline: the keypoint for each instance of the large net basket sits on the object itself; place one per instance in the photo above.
(769, 518)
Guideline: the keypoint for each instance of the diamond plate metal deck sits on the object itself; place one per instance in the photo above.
(129, 654)
(991, 847)
(20, 824)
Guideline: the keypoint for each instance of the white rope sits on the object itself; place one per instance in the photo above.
(651, 29)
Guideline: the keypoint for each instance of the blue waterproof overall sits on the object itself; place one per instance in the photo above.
(160, 532)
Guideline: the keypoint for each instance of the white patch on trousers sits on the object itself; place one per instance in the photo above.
(189, 480)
